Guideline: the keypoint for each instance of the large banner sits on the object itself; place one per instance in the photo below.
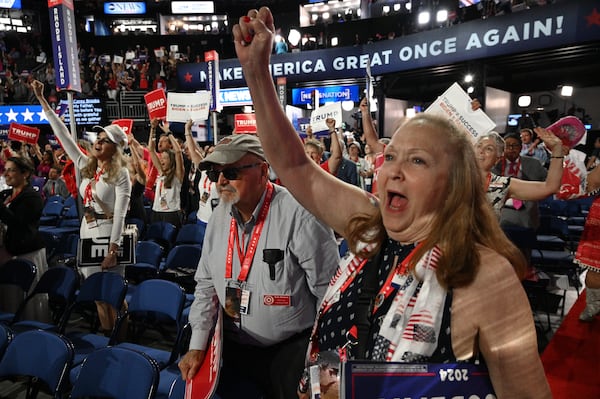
(552, 26)
(64, 44)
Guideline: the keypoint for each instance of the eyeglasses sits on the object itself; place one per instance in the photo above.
(103, 141)
(229, 173)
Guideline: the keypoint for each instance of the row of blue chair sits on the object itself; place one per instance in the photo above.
(156, 304)
(46, 358)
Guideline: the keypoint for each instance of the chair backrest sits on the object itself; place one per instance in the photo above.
(53, 208)
(70, 201)
(42, 354)
(157, 296)
(55, 198)
(103, 287)
(184, 256)
(190, 234)
(161, 232)
(60, 283)
(554, 225)
(118, 373)
(141, 225)
(522, 237)
(148, 252)
(19, 272)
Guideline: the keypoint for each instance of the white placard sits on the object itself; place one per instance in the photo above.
(455, 103)
(184, 106)
(318, 116)
(117, 59)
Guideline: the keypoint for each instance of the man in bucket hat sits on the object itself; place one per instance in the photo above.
(267, 262)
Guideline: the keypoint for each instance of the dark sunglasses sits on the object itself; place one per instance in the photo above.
(104, 141)
(229, 173)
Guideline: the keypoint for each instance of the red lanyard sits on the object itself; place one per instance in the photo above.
(160, 188)
(206, 183)
(387, 287)
(87, 196)
(247, 258)
(385, 290)
(487, 181)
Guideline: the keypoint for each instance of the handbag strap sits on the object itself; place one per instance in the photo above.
(364, 306)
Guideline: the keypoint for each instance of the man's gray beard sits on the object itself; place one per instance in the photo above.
(230, 198)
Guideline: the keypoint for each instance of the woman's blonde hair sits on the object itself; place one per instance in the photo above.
(465, 219)
(112, 170)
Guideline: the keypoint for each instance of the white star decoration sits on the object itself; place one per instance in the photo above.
(27, 115)
(12, 115)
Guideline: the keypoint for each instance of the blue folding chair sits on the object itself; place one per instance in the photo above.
(104, 287)
(155, 305)
(42, 356)
(51, 213)
(60, 284)
(181, 264)
(190, 234)
(118, 373)
(148, 255)
(163, 233)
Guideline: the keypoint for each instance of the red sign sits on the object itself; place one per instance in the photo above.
(204, 383)
(245, 123)
(277, 300)
(26, 134)
(125, 124)
(156, 102)
(68, 3)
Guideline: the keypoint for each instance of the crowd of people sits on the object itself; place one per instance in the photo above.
(430, 277)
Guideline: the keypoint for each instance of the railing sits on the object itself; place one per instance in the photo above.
(130, 105)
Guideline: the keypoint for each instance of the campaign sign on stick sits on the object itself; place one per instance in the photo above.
(184, 106)
(213, 82)
(156, 102)
(23, 133)
(245, 123)
(389, 380)
(319, 116)
(204, 383)
(455, 104)
(64, 44)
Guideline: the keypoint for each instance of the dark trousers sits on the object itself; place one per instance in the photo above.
(253, 372)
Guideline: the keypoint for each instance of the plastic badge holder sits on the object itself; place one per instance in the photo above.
(569, 129)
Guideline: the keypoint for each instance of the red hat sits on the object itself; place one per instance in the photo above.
(569, 130)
